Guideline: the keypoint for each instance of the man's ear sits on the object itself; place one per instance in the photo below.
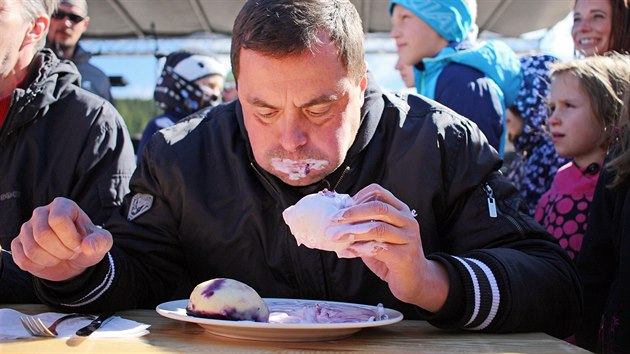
(38, 30)
(364, 80)
(85, 24)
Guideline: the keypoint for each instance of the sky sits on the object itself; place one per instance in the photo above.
(142, 70)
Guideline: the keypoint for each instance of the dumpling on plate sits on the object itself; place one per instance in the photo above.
(227, 299)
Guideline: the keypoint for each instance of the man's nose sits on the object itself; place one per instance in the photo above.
(66, 22)
(292, 135)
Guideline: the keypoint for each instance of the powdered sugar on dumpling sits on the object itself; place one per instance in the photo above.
(227, 299)
(312, 215)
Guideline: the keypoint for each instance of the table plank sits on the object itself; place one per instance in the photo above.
(171, 336)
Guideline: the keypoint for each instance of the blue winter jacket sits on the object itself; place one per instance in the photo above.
(477, 80)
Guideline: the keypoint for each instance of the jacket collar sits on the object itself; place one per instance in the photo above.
(47, 80)
(80, 55)
(494, 59)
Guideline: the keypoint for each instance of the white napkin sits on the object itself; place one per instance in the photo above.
(116, 327)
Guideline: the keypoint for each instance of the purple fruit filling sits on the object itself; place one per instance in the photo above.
(212, 287)
(229, 314)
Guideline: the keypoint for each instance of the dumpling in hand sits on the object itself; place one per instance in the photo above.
(310, 221)
(311, 215)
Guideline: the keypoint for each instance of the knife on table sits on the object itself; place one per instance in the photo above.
(94, 325)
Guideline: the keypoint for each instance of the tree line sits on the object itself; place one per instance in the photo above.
(137, 113)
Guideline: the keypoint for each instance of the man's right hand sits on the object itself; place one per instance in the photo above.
(59, 242)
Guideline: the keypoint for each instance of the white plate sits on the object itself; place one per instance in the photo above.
(281, 332)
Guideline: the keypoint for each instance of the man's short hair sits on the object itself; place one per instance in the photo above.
(279, 28)
(31, 9)
(81, 5)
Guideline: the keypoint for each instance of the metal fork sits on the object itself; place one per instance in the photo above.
(36, 327)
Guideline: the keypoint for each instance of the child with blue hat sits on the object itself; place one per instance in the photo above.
(477, 80)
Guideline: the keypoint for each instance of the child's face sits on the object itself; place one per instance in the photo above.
(575, 130)
(415, 39)
(514, 124)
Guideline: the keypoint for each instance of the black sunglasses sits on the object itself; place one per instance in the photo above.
(60, 15)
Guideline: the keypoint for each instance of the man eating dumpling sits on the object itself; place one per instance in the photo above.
(208, 198)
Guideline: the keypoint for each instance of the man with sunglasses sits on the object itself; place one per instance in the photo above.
(67, 25)
(56, 138)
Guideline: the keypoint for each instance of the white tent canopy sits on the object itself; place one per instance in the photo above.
(112, 19)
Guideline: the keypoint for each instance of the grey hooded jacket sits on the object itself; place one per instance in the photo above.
(57, 140)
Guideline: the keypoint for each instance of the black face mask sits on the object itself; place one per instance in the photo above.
(174, 93)
(209, 97)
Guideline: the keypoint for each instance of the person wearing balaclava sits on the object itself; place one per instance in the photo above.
(189, 82)
(476, 79)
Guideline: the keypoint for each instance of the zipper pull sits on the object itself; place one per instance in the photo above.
(343, 174)
(492, 205)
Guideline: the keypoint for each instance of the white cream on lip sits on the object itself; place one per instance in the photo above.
(297, 169)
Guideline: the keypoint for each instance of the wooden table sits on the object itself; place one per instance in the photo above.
(171, 336)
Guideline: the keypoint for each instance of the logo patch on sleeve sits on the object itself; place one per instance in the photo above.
(140, 204)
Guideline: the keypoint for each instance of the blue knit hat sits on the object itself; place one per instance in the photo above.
(450, 18)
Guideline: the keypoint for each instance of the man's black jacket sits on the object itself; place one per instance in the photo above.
(201, 206)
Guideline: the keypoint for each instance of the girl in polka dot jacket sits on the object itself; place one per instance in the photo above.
(584, 107)
(536, 161)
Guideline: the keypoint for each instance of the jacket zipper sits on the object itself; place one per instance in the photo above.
(492, 206)
(343, 174)
(281, 199)
(279, 196)
(266, 181)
